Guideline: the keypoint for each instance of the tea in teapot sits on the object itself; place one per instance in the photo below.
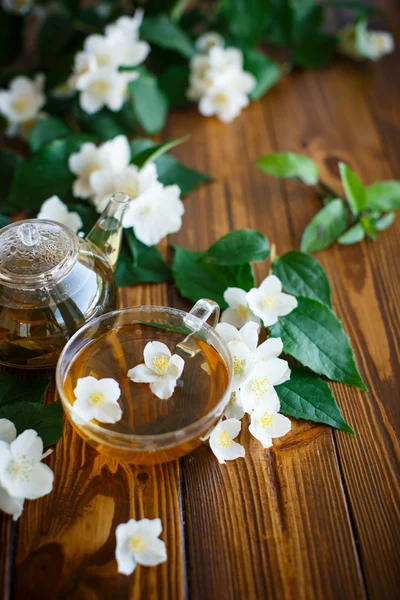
(52, 282)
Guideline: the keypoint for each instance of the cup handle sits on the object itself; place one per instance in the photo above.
(203, 310)
(207, 311)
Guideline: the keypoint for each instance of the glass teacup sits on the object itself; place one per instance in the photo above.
(152, 430)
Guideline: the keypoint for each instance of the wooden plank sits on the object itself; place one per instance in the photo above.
(6, 530)
(334, 121)
(276, 523)
(66, 540)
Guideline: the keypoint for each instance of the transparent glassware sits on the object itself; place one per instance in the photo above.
(187, 329)
(52, 282)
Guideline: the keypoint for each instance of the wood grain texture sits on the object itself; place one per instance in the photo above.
(317, 515)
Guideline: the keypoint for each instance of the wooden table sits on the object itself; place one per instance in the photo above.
(316, 515)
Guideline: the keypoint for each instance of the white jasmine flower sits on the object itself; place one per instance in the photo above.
(130, 180)
(160, 369)
(381, 43)
(129, 26)
(156, 213)
(104, 87)
(10, 505)
(83, 63)
(224, 103)
(356, 42)
(116, 49)
(19, 7)
(242, 361)
(55, 210)
(266, 425)
(234, 409)
(200, 78)
(258, 389)
(209, 40)
(96, 399)
(248, 334)
(221, 440)
(114, 154)
(269, 302)
(238, 312)
(22, 475)
(138, 543)
(23, 100)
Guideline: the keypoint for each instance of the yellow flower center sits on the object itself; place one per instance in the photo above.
(243, 311)
(224, 440)
(137, 544)
(232, 399)
(20, 467)
(20, 104)
(238, 365)
(267, 420)
(100, 87)
(260, 386)
(221, 99)
(97, 399)
(269, 301)
(131, 190)
(160, 363)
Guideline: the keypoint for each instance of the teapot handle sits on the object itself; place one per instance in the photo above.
(203, 310)
(206, 309)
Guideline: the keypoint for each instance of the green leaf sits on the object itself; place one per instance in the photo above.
(9, 162)
(54, 34)
(384, 196)
(238, 247)
(302, 275)
(368, 224)
(327, 225)
(174, 82)
(46, 173)
(13, 389)
(139, 263)
(45, 131)
(149, 102)
(195, 279)
(11, 36)
(150, 154)
(306, 396)
(385, 221)
(355, 191)
(289, 165)
(161, 31)
(353, 235)
(46, 419)
(265, 70)
(246, 19)
(315, 51)
(106, 123)
(314, 336)
(360, 7)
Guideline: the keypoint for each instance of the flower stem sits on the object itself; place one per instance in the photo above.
(272, 256)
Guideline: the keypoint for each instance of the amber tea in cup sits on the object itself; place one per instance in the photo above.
(151, 429)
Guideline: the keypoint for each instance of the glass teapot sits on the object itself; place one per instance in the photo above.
(52, 282)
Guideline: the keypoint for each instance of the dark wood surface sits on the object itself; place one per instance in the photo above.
(317, 515)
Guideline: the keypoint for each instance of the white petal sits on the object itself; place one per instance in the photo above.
(275, 369)
(242, 359)
(125, 559)
(232, 427)
(90, 103)
(175, 366)
(39, 482)
(234, 409)
(228, 332)
(284, 377)
(154, 554)
(118, 152)
(28, 444)
(142, 374)
(271, 348)
(285, 304)
(164, 387)
(281, 426)
(10, 505)
(260, 434)
(148, 527)
(85, 386)
(110, 388)
(154, 349)
(249, 335)
(110, 412)
(8, 432)
(271, 286)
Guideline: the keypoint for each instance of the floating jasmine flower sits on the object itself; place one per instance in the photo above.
(22, 475)
(160, 369)
(266, 425)
(113, 155)
(23, 100)
(238, 312)
(55, 210)
(221, 440)
(96, 399)
(130, 180)
(104, 87)
(242, 362)
(209, 40)
(269, 302)
(248, 334)
(258, 389)
(19, 7)
(156, 213)
(138, 543)
(234, 409)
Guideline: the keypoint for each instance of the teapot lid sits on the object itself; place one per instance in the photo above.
(36, 252)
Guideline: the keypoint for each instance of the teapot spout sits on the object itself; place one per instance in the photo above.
(106, 234)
